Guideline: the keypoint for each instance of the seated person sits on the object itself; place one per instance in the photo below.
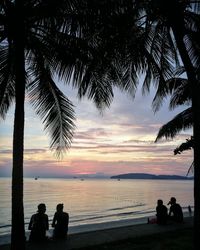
(175, 211)
(38, 225)
(161, 213)
(60, 223)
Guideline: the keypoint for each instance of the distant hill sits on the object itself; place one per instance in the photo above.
(150, 177)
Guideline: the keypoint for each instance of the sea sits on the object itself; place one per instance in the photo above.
(94, 202)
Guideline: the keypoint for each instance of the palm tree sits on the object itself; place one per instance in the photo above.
(177, 88)
(178, 21)
(168, 30)
(37, 40)
(26, 64)
(97, 44)
(145, 36)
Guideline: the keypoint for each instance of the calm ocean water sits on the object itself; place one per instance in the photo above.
(94, 201)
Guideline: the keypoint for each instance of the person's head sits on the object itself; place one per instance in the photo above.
(172, 201)
(159, 202)
(41, 208)
(59, 207)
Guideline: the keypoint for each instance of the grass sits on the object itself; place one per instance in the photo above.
(177, 240)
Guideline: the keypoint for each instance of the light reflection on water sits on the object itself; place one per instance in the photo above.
(92, 201)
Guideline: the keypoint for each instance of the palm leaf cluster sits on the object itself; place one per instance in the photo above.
(50, 103)
(96, 46)
(189, 144)
(164, 21)
(178, 89)
(93, 45)
(180, 21)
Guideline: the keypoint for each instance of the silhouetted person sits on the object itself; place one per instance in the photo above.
(190, 210)
(161, 213)
(175, 211)
(38, 225)
(60, 223)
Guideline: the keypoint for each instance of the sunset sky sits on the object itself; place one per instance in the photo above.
(119, 141)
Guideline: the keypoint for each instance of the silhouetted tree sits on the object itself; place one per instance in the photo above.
(27, 63)
(97, 45)
(41, 38)
(178, 90)
(178, 22)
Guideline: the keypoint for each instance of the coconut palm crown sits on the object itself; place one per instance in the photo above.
(41, 41)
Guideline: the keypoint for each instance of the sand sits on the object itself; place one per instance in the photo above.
(106, 235)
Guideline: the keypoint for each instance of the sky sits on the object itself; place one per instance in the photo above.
(121, 140)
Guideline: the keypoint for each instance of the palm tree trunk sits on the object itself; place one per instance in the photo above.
(18, 231)
(196, 132)
(195, 91)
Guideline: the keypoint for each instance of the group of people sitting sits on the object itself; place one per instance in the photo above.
(175, 212)
(39, 224)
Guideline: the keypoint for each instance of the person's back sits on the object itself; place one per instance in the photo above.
(161, 213)
(39, 224)
(60, 222)
(175, 212)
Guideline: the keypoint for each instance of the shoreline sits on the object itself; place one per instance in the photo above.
(101, 233)
(86, 228)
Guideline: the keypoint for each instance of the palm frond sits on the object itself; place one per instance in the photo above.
(180, 122)
(129, 80)
(189, 144)
(177, 88)
(155, 73)
(159, 54)
(71, 56)
(191, 169)
(55, 110)
(181, 95)
(7, 87)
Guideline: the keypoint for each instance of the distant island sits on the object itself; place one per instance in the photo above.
(150, 177)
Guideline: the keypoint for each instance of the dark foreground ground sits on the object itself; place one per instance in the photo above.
(136, 237)
(178, 240)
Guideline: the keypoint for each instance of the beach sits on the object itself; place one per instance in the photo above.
(101, 211)
(94, 203)
(106, 236)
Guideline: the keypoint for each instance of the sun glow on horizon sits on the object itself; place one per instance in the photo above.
(119, 141)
